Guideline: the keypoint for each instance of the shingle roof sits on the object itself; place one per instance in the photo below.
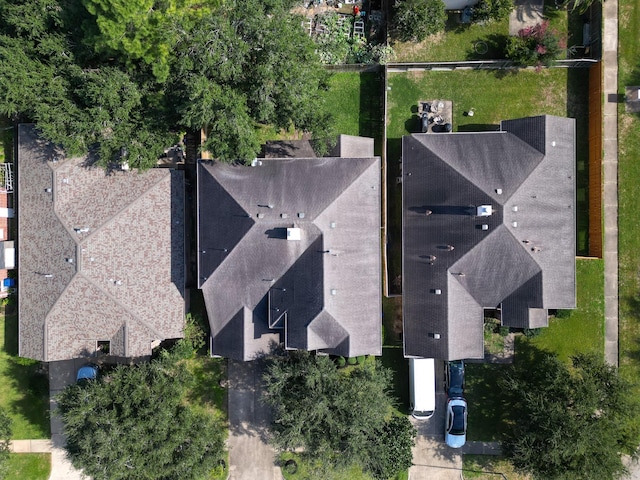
(323, 290)
(100, 257)
(521, 257)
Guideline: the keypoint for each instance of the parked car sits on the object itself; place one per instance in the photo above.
(455, 434)
(87, 372)
(454, 379)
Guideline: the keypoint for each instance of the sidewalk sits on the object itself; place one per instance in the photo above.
(30, 446)
(610, 168)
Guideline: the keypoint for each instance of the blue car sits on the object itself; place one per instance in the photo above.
(87, 372)
(455, 434)
(454, 379)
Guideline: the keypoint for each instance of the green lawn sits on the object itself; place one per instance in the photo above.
(628, 198)
(582, 330)
(487, 410)
(355, 101)
(393, 358)
(552, 91)
(456, 43)
(29, 466)
(24, 392)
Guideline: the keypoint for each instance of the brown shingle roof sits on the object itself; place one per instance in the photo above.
(121, 280)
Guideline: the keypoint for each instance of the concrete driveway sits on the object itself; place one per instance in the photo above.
(432, 458)
(61, 374)
(250, 455)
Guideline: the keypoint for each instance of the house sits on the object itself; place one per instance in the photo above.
(289, 252)
(100, 255)
(489, 221)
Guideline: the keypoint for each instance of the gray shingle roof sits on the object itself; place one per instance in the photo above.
(101, 257)
(323, 290)
(522, 257)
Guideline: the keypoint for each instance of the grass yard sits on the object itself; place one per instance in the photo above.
(582, 330)
(355, 100)
(457, 42)
(28, 466)
(24, 391)
(393, 358)
(553, 91)
(628, 198)
(489, 467)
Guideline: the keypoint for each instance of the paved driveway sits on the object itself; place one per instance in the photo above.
(61, 374)
(250, 455)
(432, 458)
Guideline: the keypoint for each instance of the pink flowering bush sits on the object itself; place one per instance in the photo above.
(535, 45)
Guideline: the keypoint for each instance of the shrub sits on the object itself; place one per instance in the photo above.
(352, 360)
(537, 45)
(340, 362)
(487, 10)
(504, 331)
(532, 332)
(414, 20)
(361, 359)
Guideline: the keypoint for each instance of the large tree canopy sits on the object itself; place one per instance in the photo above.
(124, 79)
(570, 421)
(337, 418)
(134, 423)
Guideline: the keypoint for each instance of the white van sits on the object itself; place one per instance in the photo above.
(422, 387)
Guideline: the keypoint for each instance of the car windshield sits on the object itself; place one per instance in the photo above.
(456, 379)
(458, 420)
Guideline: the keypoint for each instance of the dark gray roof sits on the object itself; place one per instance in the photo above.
(521, 258)
(101, 257)
(321, 292)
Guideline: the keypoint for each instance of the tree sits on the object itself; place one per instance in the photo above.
(134, 423)
(5, 438)
(124, 79)
(570, 421)
(415, 20)
(535, 45)
(496, 10)
(337, 418)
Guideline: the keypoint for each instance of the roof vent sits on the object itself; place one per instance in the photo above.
(484, 210)
(294, 234)
(68, 260)
(435, 336)
(499, 191)
(256, 163)
(485, 227)
(48, 190)
(514, 208)
(334, 291)
(437, 291)
(333, 225)
(515, 224)
(283, 215)
(261, 215)
(300, 214)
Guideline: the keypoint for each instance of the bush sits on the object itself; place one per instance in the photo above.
(415, 20)
(340, 362)
(537, 45)
(352, 360)
(532, 332)
(504, 331)
(361, 359)
(487, 10)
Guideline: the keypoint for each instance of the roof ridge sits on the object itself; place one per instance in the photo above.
(115, 215)
(118, 302)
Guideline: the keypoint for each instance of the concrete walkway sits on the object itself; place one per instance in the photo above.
(30, 446)
(610, 167)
